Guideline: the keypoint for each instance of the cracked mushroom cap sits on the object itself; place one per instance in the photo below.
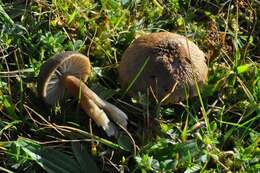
(163, 60)
(54, 69)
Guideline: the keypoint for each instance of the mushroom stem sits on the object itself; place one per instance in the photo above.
(76, 88)
(115, 113)
(93, 105)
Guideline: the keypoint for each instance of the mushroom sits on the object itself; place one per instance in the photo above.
(67, 72)
(167, 64)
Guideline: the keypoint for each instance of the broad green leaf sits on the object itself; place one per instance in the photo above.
(8, 106)
(125, 142)
(86, 162)
(103, 92)
(243, 68)
(193, 169)
(51, 160)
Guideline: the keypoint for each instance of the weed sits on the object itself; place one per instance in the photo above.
(218, 131)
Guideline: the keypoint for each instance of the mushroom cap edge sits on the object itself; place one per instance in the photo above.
(67, 63)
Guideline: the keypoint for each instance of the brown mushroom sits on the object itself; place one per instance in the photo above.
(166, 63)
(67, 72)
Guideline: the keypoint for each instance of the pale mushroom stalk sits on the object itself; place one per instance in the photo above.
(115, 113)
(77, 88)
(67, 72)
(92, 104)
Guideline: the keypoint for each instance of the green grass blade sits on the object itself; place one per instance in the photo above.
(4, 16)
(5, 170)
(136, 76)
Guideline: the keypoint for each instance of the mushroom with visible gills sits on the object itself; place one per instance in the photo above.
(67, 72)
(167, 63)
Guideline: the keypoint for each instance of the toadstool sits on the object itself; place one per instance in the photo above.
(167, 64)
(67, 72)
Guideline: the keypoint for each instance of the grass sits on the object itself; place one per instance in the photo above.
(215, 132)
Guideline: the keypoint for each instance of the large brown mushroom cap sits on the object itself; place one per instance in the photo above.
(68, 63)
(171, 59)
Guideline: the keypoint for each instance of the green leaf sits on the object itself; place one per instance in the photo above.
(8, 106)
(84, 159)
(9, 125)
(103, 92)
(4, 16)
(50, 160)
(125, 142)
(243, 68)
(193, 169)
